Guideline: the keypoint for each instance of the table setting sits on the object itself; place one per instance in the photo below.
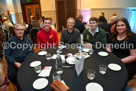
(96, 70)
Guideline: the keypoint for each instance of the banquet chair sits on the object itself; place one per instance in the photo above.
(6, 32)
(11, 31)
(33, 34)
(1, 59)
(107, 36)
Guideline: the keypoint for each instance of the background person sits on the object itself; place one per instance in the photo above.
(78, 24)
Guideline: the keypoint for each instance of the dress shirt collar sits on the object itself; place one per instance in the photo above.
(71, 32)
(97, 30)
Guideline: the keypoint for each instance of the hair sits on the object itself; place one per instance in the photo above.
(34, 18)
(128, 30)
(71, 18)
(79, 17)
(114, 19)
(93, 19)
(46, 18)
(113, 14)
(19, 25)
(102, 13)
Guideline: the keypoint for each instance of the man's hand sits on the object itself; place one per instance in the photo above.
(88, 45)
(17, 64)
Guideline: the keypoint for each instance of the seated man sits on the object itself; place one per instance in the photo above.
(70, 34)
(94, 37)
(3, 80)
(47, 37)
(16, 50)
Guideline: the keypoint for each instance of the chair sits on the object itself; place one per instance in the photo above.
(11, 31)
(7, 34)
(107, 36)
(1, 59)
(33, 34)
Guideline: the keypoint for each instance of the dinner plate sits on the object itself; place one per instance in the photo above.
(40, 83)
(35, 63)
(102, 53)
(94, 87)
(70, 60)
(42, 53)
(114, 67)
(86, 50)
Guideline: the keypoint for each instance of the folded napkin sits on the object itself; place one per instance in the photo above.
(85, 56)
(45, 72)
(62, 57)
(59, 86)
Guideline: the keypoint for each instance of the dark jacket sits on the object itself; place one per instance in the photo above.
(105, 26)
(80, 26)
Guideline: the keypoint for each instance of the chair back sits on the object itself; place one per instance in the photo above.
(11, 31)
(107, 36)
(7, 34)
(33, 34)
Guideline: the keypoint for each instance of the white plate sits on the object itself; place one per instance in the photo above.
(86, 50)
(61, 46)
(40, 83)
(114, 67)
(35, 63)
(70, 60)
(94, 87)
(103, 53)
(42, 53)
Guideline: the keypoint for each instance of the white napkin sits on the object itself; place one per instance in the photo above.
(71, 60)
(45, 72)
(55, 55)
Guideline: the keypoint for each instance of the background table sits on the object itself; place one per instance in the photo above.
(111, 81)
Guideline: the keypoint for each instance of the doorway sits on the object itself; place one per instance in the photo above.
(64, 10)
(32, 10)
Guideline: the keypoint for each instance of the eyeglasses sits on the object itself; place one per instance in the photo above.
(6, 82)
(20, 29)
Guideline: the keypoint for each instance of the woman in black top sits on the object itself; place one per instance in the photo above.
(123, 44)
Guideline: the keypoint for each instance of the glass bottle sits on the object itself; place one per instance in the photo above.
(59, 64)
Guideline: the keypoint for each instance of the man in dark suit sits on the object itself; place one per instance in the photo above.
(78, 24)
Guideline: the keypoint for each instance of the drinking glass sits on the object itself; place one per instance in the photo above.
(102, 69)
(59, 65)
(91, 74)
(48, 56)
(56, 76)
(91, 51)
(38, 68)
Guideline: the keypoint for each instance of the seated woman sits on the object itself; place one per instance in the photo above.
(3, 80)
(123, 44)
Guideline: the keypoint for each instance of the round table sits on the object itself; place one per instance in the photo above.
(111, 81)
